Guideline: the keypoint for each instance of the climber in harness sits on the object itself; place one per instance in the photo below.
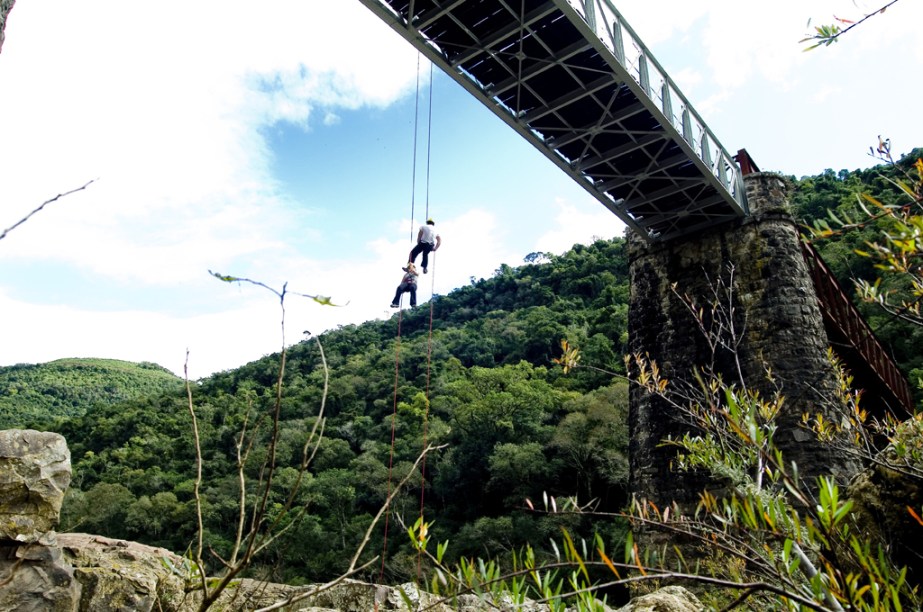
(408, 285)
(428, 241)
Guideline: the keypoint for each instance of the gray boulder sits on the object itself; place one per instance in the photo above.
(121, 575)
(35, 471)
(35, 577)
(666, 599)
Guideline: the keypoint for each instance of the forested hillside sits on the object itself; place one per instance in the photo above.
(513, 424)
(34, 394)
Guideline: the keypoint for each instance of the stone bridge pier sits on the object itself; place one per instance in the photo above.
(778, 326)
(5, 7)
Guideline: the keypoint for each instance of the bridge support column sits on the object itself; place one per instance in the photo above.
(778, 324)
(5, 7)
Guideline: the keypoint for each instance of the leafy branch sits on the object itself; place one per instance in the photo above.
(827, 34)
(323, 300)
(898, 250)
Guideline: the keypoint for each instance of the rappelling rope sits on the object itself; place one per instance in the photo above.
(429, 352)
(429, 341)
(397, 350)
(413, 172)
(397, 365)
(429, 140)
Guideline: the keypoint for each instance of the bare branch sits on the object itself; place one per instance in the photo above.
(198, 478)
(353, 567)
(45, 203)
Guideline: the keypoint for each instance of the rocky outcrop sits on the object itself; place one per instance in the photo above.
(5, 6)
(36, 577)
(36, 470)
(356, 596)
(34, 474)
(120, 575)
(667, 599)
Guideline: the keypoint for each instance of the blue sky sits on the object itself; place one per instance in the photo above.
(276, 143)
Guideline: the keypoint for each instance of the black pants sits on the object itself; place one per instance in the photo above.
(425, 248)
(409, 287)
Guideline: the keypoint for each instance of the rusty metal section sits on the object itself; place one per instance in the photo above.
(854, 341)
(746, 163)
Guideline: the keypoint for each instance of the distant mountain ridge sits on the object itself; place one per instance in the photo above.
(32, 394)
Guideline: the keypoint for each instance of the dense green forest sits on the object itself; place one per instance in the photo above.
(35, 394)
(481, 381)
(514, 425)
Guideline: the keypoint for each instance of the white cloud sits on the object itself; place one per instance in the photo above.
(746, 41)
(825, 93)
(572, 226)
(656, 22)
(245, 321)
(35, 333)
(165, 108)
(750, 43)
(687, 79)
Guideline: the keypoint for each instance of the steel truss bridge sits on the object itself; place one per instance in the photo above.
(573, 79)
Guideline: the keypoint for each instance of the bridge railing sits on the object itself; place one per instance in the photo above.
(622, 41)
(841, 312)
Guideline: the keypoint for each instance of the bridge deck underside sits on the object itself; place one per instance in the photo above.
(537, 69)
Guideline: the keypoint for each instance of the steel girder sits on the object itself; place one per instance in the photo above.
(573, 79)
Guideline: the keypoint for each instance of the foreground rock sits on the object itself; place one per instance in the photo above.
(121, 575)
(96, 574)
(36, 577)
(35, 471)
(41, 570)
(667, 599)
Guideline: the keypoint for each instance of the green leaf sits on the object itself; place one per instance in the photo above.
(224, 277)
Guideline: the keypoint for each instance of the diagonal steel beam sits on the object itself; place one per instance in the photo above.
(567, 99)
(537, 68)
(611, 154)
(661, 166)
(580, 133)
(428, 18)
(486, 43)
